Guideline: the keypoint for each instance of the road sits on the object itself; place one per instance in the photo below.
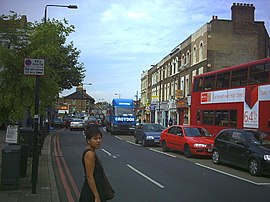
(146, 174)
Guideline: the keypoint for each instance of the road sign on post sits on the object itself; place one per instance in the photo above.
(34, 67)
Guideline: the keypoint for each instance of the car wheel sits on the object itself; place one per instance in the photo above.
(164, 146)
(187, 152)
(215, 157)
(136, 140)
(144, 143)
(254, 167)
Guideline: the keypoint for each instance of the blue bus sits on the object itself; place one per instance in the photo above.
(121, 118)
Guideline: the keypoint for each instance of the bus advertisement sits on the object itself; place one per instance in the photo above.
(121, 118)
(237, 97)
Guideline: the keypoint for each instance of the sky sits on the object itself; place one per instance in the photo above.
(119, 39)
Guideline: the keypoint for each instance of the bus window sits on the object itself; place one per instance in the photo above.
(233, 116)
(239, 77)
(208, 117)
(259, 74)
(222, 118)
(209, 82)
(223, 80)
(198, 85)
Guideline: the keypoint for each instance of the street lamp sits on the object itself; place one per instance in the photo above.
(65, 6)
(35, 139)
(118, 95)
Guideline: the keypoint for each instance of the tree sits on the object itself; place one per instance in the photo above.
(21, 40)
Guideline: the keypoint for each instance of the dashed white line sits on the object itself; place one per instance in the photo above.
(240, 178)
(108, 153)
(145, 176)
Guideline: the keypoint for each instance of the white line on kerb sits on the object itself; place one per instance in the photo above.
(240, 178)
(162, 152)
(145, 176)
(118, 137)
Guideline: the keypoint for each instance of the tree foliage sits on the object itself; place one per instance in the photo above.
(22, 40)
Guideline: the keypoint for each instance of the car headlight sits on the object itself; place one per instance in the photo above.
(149, 137)
(199, 145)
(266, 157)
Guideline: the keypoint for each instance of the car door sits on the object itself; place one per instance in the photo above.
(179, 138)
(238, 152)
(170, 137)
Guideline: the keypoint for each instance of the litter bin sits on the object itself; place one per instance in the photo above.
(26, 136)
(24, 158)
(10, 173)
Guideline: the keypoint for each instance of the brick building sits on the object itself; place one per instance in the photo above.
(218, 44)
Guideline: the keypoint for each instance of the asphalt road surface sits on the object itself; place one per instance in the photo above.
(146, 174)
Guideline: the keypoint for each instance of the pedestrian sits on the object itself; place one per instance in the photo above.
(170, 122)
(95, 184)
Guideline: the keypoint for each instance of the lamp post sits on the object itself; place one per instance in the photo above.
(119, 96)
(35, 139)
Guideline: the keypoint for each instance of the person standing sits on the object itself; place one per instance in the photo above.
(93, 189)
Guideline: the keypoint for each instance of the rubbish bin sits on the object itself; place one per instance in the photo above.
(26, 136)
(24, 158)
(10, 173)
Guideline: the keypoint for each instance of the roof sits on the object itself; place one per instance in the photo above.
(79, 95)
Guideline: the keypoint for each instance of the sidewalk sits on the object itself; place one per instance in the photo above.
(46, 190)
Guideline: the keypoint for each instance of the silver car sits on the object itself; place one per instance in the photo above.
(76, 124)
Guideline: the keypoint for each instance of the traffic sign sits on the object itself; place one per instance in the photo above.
(34, 66)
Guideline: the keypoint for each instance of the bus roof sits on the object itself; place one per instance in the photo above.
(227, 69)
(122, 102)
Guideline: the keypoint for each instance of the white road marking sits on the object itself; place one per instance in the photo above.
(240, 178)
(161, 152)
(109, 153)
(133, 143)
(145, 176)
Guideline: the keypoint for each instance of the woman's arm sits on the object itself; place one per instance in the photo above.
(89, 159)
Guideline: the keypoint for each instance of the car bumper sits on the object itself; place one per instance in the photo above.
(202, 151)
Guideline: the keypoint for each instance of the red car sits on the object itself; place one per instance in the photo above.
(192, 140)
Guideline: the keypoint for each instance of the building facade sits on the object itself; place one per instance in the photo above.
(217, 44)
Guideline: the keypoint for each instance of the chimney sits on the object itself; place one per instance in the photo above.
(242, 13)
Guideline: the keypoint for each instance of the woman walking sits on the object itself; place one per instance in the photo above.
(95, 186)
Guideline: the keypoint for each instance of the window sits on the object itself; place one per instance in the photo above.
(222, 118)
(208, 117)
(198, 85)
(259, 74)
(172, 130)
(194, 54)
(239, 77)
(223, 80)
(225, 136)
(209, 82)
(201, 51)
(233, 116)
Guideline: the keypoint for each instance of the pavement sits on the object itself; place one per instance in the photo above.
(46, 189)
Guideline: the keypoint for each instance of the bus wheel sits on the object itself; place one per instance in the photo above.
(164, 146)
(187, 152)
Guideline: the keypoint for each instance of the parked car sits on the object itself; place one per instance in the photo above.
(248, 149)
(57, 123)
(67, 121)
(148, 133)
(77, 124)
(192, 140)
(93, 121)
(101, 119)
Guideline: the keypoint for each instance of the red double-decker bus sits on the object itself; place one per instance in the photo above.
(237, 96)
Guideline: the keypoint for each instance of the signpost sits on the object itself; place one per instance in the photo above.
(35, 67)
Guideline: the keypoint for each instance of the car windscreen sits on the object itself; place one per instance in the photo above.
(153, 128)
(77, 120)
(258, 138)
(196, 132)
(122, 111)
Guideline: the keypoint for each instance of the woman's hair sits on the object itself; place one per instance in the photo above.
(91, 131)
